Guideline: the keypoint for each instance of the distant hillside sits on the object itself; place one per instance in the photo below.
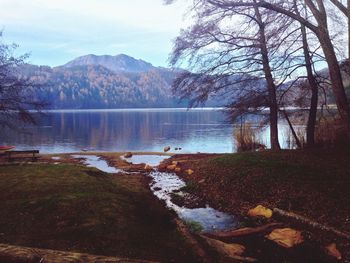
(105, 82)
(118, 63)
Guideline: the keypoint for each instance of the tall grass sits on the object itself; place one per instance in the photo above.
(330, 132)
(246, 139)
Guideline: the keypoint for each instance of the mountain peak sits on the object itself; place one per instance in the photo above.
(117, 63)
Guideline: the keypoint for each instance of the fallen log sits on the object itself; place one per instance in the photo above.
(307, 221)
(196, 247)
(18, 254)
(232, 251)
(243, 231)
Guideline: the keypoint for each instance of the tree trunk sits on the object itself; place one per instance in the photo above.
(348, 7)
(336, 79)
(271, 87)
(310, 129)
(332, 62)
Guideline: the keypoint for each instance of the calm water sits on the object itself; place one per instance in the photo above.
(202, 130)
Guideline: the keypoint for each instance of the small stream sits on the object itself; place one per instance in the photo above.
(163, 185)
(97, 162)
(150, 159)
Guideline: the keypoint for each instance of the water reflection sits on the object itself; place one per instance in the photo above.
(128, 130)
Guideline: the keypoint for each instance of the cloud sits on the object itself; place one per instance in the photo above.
(70, 28)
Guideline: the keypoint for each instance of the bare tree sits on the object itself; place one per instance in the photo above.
(16, 94)
(319, 25)
(234, 51)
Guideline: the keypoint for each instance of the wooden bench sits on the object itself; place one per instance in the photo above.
(23, 154)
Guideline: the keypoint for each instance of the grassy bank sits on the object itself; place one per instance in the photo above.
(311, 183)
(74, 208)
(314, 183)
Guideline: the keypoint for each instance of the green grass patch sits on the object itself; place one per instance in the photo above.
(193, 226)
(69, 207)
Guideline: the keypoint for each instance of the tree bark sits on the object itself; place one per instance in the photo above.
(311, 123)
(348, 14)
(271, 87)
(336, 79)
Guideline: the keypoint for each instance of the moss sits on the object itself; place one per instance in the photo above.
(193, 226)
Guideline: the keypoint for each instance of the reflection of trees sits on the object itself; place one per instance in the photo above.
(116, 130)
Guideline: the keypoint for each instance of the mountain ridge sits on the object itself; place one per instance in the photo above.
(117, 63)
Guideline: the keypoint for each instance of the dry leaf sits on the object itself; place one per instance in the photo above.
(189, 171)
(333, 251)
(286, 237)
(260, 211)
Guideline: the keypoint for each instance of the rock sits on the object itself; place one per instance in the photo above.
(167, 149)
(177, 169)
(175, 162)
(128, 155)
(180, 148)
(176, 148)
(260, 211)
(332, 250)
(189, 171)
(148, 167)
(285, 237)
(171, 167)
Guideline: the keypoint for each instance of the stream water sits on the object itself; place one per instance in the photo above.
(165, 184)
(95, 161)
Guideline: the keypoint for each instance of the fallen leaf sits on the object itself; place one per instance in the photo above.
(260, 211)
(189, 171)
(333, 251)
(286, 237)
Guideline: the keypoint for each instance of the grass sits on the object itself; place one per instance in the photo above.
(69, 207)
(314, 183)
(193, 226)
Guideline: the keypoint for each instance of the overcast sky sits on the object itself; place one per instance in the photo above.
(56, 31)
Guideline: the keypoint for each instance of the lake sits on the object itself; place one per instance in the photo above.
(196, 130)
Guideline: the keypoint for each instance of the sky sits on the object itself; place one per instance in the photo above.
(57, 31)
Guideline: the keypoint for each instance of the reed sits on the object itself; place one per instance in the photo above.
(246, 139)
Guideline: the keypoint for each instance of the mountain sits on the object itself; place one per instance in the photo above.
(118, 63)
(104, 82)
